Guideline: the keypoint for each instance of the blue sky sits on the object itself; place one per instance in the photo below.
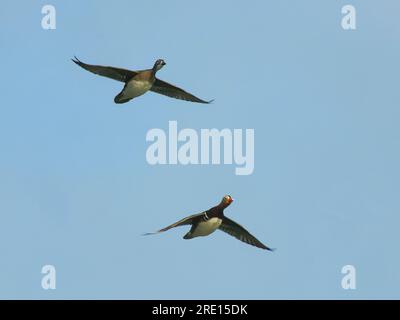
(76, 191)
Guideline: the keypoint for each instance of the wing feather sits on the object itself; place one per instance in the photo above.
(236, 230)
(172, 91)
(118, 74)
(182, 222)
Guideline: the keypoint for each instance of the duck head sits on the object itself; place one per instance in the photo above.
(226, 201)
(158, 65)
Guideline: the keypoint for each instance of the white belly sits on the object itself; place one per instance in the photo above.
(136, 88)
(206, 227)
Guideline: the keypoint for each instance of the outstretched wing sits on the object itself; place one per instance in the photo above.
(172, 91)
(236, 230)
(118, 74)
(183, 222)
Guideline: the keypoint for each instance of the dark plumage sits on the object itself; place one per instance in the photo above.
(205, 223)
(139, 82)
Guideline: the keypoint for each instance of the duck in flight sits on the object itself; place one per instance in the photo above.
(139, 82)
(207, 222)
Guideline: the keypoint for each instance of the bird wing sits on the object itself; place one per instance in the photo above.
(118, 74)
(183, 222)
(172, 91)
(236, 230)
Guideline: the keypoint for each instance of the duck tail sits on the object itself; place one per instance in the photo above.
(188, 236)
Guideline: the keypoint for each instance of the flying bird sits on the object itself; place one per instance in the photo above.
(207, 222)
(139, 82)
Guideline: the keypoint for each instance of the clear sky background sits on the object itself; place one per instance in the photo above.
(76, 191)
